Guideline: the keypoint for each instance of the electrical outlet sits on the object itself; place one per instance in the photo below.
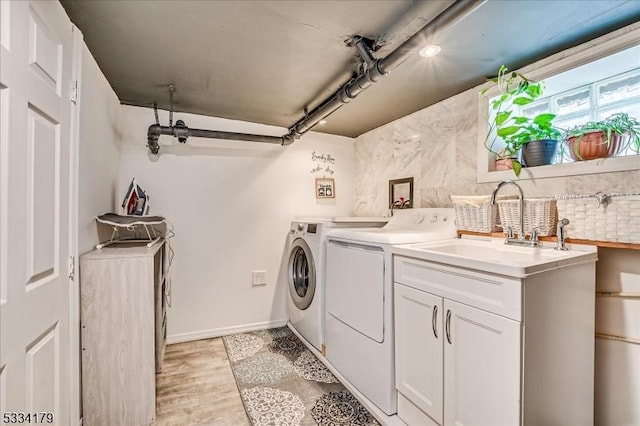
(258, 278)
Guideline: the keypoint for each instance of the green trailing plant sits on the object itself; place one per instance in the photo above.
(620, 123)
(514, 130)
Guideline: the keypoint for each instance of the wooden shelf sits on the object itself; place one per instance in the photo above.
(609, 244)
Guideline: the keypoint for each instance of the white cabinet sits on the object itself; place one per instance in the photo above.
(123, 332)
(419, 337)
(481, 367)
(473, 348)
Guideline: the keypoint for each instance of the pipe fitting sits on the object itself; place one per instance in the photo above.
(153, 133)
(181, 131)
(362, 44)
(345, 96)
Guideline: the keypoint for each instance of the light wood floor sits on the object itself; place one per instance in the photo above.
(196, 387)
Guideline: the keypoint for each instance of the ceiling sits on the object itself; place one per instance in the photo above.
(266, 61)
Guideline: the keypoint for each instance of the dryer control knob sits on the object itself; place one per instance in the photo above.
(300, 227)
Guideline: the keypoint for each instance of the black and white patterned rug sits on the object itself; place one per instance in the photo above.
(283, 383)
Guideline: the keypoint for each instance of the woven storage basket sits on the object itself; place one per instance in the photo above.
(602, 217)
(475, 213)
(539, 213)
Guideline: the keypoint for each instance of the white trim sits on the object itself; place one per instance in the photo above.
(603, 165)
(224, 331)
(75, 364)
(555, 64)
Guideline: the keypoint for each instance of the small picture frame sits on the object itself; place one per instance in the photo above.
(401, 193)
(325, 188)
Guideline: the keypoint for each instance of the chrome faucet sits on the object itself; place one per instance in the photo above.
(561, 234)
(399, 204)
(396, 203)
(520, 241)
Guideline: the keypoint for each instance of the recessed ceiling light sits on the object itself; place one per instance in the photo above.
(430, 51)
(321, 122)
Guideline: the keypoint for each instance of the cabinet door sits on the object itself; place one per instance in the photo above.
(419, 367)
(482, 367)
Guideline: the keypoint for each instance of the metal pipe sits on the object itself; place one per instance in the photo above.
(450, 16)
(182, 132)
(364, 51)
(215, 134)
(381, 67)
(375, 70)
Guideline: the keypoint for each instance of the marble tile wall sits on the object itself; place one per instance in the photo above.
(438, 147)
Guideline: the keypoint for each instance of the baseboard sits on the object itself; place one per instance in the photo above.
(224, 331)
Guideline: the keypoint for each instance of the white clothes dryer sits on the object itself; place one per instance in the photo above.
(359, 298)
(306, 269)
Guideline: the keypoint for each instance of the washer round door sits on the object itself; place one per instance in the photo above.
(302, 274)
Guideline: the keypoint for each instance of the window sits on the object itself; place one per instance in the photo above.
(593, 102)
(585, 83)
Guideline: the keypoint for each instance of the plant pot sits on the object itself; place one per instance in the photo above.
(539, 153)
(593, 145)
(504, 163)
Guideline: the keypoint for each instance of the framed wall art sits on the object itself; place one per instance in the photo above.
(401, 193)
(325, 188)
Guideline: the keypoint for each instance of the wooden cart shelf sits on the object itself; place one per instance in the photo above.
(609, 244)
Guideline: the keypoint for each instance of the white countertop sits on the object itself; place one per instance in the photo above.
(492, 255)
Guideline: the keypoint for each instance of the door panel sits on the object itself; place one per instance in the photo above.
(482, 367)
(42, 372)
(355, 287)
(36, 60)
(44, 52)
(419, 352)
(42, 209)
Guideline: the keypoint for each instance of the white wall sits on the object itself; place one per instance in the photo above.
(99, 154)
(438, 147)
(98, 164)
(231, 204)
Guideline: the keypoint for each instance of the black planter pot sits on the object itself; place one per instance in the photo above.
(539, 153)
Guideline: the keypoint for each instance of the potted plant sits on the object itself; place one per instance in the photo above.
(504, 160)
(535, 137)
(604, 138)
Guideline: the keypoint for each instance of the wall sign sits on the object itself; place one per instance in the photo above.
(325, 188)
(322, 158)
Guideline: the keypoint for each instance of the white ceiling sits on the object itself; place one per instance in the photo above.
(266, 61)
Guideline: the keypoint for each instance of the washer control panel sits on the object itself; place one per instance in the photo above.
(303, 228)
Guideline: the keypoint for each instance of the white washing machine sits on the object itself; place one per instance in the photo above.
(306, 271)
(359, 298)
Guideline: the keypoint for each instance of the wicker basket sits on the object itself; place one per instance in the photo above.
(539, 213)
(475, 213)
(602, 217)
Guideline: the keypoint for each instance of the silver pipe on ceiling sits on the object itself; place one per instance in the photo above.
(182, 132)
(380, 67)
(375, 69)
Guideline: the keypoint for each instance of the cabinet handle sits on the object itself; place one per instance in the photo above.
(434, 320)
(447, 326)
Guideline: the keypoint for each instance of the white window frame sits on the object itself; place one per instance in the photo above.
(564, 61)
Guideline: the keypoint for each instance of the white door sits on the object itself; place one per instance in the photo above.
(355, 287)
(419, 351)
(36, 52)
(482, 367)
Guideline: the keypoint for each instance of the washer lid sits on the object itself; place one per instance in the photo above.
(386, 236)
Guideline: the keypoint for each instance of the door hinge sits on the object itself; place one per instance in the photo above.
(72, 267)
(74, 91)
